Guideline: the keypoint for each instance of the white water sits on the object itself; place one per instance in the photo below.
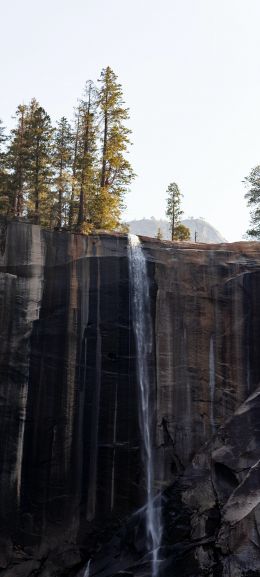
(144, 337)
(87, 572)
(212, 378)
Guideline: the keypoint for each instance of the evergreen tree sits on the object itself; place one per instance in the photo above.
(17, 161)
(73, 205)
(181, 232)
(3, 137)
(5, 201)
(253, 201)
(62, 164)
(116, 172)
(39, 171)
(58, 177)
(87, 158)
(173, 209)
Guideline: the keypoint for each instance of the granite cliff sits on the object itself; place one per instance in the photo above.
(72, 479)
(205, 232)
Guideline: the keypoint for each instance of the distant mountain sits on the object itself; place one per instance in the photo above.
(149, 227)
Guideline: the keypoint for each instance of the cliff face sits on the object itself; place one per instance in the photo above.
(70, 447)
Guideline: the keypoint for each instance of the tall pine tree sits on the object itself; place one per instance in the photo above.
(252, 196)
(87, 158)
(40, 170)
(173, 212)
(17, 161)
(116, 172)
(5, 199)
(62, 165)
(73, 204)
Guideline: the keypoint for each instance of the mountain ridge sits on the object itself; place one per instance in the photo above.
(205, 232)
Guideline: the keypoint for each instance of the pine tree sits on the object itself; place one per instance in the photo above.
(62, 164)
(61, 178)
(73, 204)
(5, 199)
(39, 171)
(116, 172)
(181, 232)
(3, 137)
(173, 209)
(17, 161)
(253, 201)
(87, 158)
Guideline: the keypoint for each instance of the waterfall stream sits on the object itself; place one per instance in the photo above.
(87, 572)
(142, 322)
(212, 383)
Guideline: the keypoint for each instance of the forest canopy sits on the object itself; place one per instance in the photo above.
(73, 176)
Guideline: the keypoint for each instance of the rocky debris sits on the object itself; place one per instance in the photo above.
(211, 514)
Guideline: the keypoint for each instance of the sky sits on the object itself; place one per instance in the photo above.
(190, 75)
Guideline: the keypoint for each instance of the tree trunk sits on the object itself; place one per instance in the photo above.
(19, 207)
(82, 199)
(59, 220)
(36, 188)
(74, 171)
(173, 226)
(61, 188)
(104, 152)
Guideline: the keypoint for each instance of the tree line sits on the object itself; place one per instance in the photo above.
(72, 176)
(76, 175)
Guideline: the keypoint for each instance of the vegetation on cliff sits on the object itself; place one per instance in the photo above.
(69, 176)
(173, 212)
(252, 181)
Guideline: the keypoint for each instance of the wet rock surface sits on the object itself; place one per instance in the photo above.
(72, 480)
(210, 514)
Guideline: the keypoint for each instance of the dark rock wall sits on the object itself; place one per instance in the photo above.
(207, 343)
(68, 415)
(69, 436)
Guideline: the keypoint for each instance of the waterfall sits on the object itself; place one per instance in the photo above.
(142, 323)
(87, 572)
(212, 378)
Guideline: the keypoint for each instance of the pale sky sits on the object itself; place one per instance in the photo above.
(190, 72)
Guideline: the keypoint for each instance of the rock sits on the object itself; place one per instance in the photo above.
(211, 513)
(72, 477)
(204, 231)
